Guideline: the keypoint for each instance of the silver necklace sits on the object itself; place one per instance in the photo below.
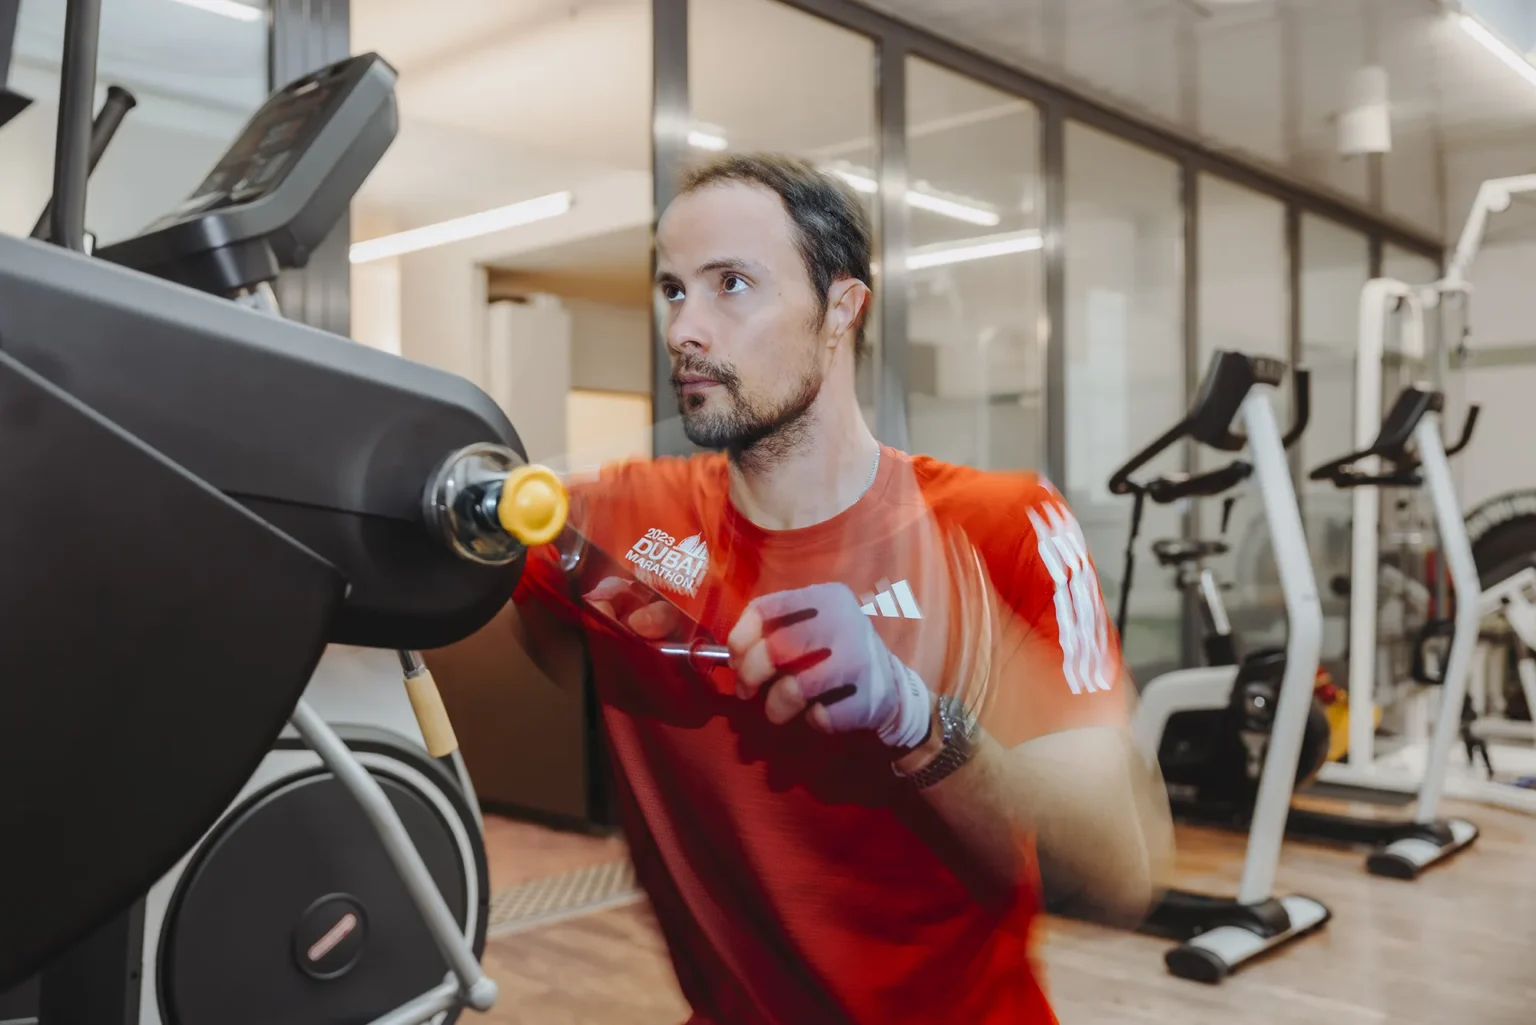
(873, 470)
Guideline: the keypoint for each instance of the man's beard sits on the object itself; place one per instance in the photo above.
(747, 429)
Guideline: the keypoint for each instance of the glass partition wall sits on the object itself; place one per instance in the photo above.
(1052, 277)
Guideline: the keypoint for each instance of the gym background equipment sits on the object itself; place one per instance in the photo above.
(1401, 771)
(1267, 722)
(1407, 452)
(1502, 707)
(1212, 759)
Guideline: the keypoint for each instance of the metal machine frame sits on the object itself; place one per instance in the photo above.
(1365, 769)
(1220, 935)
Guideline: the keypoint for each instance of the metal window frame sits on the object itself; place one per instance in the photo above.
(894, 40)
(308, 33)
(303, 35)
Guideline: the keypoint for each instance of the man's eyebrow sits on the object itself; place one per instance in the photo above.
(725, 263)
(728, 263)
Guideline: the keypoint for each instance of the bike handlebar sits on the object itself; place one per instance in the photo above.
(109, 119)
(1201, 424)
(1391, 444)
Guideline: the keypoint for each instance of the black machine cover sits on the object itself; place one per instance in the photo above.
(327, 440)
(154, 635)
(280, 188)
(199, 497)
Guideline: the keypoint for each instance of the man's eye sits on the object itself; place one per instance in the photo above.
(734, 283)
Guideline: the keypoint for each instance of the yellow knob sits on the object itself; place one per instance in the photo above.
(533, 505)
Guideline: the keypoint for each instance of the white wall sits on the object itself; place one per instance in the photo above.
(149, 168)
(443, 290)
(431, 306)
(528, 361)
(610, 347)
(376, 304)
(573, 376)
(1503, 313)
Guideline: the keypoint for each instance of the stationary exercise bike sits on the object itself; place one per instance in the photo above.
(348, 879)
(1212, 759)
(1408, 452)
(1254, 714)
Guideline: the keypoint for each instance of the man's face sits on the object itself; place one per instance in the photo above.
(743, 326)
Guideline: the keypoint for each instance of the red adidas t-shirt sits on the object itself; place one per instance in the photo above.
(797, 881)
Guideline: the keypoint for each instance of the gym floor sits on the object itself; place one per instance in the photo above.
(1424, 953)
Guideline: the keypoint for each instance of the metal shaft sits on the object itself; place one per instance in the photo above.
(72, 147)
(1464, 576)
(1304, 618)
(397, 843)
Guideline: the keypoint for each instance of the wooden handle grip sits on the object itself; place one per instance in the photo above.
(431, 715)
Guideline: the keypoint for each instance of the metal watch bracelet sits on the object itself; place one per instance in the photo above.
(958, 728)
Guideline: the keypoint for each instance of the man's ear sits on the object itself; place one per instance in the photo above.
(847, 306)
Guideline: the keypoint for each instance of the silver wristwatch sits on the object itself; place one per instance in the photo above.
(958, 727)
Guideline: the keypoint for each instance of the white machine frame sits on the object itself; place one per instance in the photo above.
(1211, 688)
(1514, 600)
(1423, 770)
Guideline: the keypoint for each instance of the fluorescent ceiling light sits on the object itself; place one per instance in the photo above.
(461, 228)
(858, 182)
(1498, 47)
(700, 139)
(228, 8)
(923, 200)
(950, 208)
(946, 253)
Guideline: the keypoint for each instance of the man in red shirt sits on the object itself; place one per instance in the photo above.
(922, 706)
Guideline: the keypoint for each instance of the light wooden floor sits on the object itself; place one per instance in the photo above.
(1455, 947)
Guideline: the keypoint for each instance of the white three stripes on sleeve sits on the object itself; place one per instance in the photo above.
(1081, 621)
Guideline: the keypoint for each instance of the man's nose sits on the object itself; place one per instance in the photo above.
(687, 329)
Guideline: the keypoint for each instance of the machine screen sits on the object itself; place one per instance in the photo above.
(269, 144)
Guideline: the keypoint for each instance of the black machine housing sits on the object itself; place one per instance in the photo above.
(277, 192)
(203, 496)
(327, 440)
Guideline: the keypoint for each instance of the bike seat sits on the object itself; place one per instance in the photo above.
(1176, 551)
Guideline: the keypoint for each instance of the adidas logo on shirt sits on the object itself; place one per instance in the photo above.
(892, 600)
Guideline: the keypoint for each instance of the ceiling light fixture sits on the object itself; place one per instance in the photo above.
(1498, 47)
(925, 200)
(461, 228)
(951, 208)
(700, 139)
(945, 253)
(228, 8)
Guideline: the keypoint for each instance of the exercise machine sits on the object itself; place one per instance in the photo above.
(1219, 935)
(1405, 771)
(1212, 759)
(1201, 754)
(201, 549)
(1407, 453)
(326, 881)
(1509, 597)
(1186, 557)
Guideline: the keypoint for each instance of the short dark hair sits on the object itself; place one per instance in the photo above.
(831, 229)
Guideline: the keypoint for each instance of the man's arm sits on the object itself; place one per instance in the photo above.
(1097, 811)
(1056, 759)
